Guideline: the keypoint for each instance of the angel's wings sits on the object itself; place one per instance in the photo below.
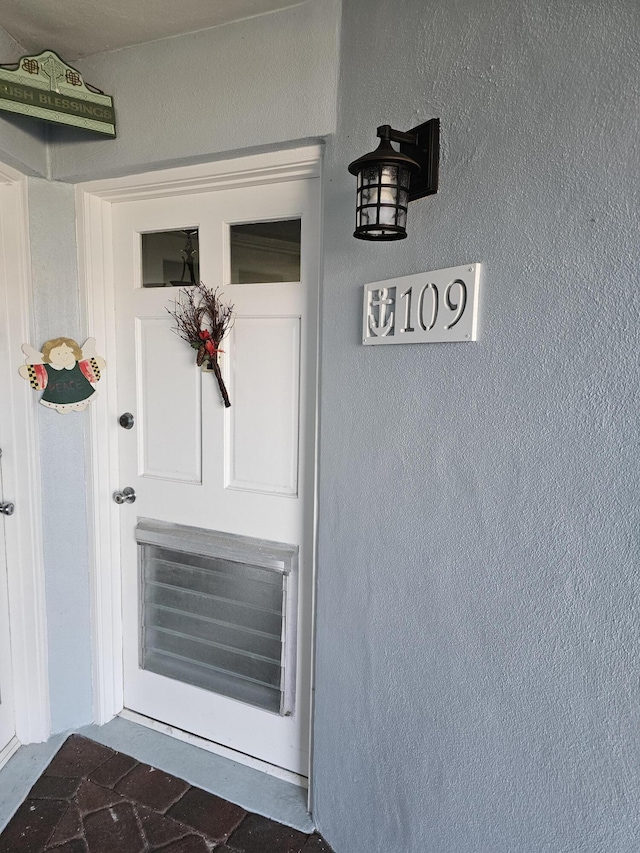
(89, 352)
(33, 356)
(89, 348)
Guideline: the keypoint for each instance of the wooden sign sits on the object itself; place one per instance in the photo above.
(45, 87)
(429, 307)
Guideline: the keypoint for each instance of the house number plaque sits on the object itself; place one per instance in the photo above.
(429, 307)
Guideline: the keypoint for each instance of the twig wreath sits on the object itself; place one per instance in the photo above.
(202, 320)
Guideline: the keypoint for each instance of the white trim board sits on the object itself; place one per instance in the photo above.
(21, 461)
(94, 202)
(252, 170)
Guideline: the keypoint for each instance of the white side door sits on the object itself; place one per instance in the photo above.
(189, 624)
(24, 695)
(7, 495)
(7, 719)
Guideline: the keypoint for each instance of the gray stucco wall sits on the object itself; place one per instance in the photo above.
(252, 84)
(478, 610)
(22, 140)
(55, 298)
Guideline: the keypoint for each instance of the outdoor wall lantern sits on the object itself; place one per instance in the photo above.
(389, 179)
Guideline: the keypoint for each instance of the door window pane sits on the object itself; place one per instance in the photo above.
(264, 252)
(170, 258)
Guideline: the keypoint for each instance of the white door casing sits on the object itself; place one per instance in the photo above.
(23, 589)
(210, 197)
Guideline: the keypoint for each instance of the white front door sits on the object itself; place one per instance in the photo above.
(217, 549)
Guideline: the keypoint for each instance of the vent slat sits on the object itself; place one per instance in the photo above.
(266, 594)
(214, 608)
(211, 629)
(256, 669)
(189, 672)
(208, 641)
(220, 598)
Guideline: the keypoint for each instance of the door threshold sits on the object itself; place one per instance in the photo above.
(181, 755)
(216, 748)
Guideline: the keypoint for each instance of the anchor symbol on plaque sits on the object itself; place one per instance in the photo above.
(381, 300)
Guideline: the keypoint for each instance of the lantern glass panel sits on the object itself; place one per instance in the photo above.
(370, 175)
(389, 175)
(369, 195)
(368, 216)
(388, 215)
(405, 177)
(388, 195)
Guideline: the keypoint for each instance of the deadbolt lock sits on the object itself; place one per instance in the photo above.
(126, 420)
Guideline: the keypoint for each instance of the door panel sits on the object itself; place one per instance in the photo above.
(263, 454)
(170, 444)
(245, 471)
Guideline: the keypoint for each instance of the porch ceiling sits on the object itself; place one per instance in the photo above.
(78, 28)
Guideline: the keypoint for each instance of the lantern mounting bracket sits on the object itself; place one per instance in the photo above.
(422, 144)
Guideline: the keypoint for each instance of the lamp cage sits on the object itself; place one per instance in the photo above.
(387, 180)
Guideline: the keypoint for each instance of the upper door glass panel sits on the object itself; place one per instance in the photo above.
(170, 258)
(265, 252)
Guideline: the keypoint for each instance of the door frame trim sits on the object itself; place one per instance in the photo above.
(25, 556)
(94, 202)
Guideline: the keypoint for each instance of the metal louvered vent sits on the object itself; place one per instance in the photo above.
(219, 611)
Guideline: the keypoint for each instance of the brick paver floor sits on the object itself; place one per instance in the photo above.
(91, 799)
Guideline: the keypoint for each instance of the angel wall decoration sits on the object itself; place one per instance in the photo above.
(67, 373)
